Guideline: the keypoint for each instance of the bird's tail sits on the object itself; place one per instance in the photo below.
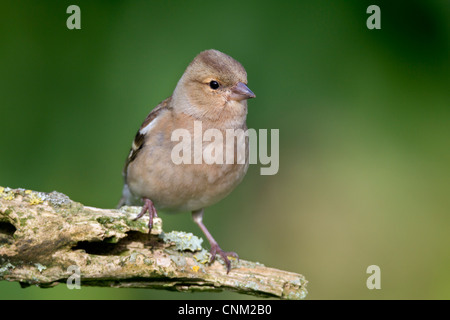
(128, 199)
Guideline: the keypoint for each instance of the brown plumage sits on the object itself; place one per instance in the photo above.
(212, 90)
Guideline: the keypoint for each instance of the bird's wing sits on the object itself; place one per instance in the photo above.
(139, 139)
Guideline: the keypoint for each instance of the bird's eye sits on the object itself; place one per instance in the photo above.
(214, 85)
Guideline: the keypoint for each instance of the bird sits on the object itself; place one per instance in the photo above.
(212, 91)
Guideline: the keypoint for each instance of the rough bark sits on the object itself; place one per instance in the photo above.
(43, 234)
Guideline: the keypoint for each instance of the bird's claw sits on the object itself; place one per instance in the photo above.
(150, 207)
(215, 249)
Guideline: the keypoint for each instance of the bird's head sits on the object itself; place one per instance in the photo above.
(213, 85)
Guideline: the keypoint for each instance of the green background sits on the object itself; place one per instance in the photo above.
(364, 120)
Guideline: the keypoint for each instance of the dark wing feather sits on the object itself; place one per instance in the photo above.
(139, 139)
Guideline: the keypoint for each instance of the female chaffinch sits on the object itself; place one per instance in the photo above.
(213, 90)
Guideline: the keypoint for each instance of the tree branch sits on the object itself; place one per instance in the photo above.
(43, 234)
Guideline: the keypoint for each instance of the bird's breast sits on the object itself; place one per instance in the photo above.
(192, 183)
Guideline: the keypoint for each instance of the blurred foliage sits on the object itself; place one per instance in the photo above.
(364, 119)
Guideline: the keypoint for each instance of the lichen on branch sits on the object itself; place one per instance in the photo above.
(44, 235)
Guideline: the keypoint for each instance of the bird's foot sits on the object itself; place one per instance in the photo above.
(148, 206)
(215, 249)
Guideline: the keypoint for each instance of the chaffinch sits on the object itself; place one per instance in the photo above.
(212, 90)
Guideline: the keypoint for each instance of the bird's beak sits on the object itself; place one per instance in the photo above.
(241, 92)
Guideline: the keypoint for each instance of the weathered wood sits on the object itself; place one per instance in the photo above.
(43, 234)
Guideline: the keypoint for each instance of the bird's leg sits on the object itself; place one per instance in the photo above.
(148, 206)
(215, 249)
